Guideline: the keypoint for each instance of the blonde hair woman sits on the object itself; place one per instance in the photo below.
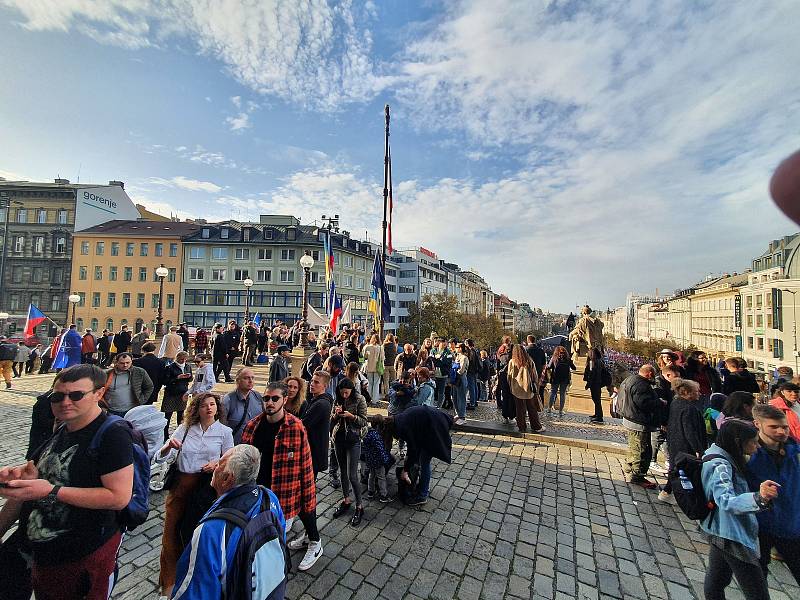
(373, 354)
(389, 355)
(523, 383)
(295, 395)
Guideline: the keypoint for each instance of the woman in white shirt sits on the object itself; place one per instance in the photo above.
(198, 442)
(204, 380)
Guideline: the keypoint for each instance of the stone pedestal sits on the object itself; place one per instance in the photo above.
(298, 357)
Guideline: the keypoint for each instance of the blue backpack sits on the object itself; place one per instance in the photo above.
(261, 561)
(454, 372)
(136, 512)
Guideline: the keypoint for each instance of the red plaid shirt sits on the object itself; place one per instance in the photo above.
(292, 470)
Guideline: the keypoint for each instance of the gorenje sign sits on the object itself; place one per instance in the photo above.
(97, 205)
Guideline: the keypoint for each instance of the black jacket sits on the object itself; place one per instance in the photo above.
(317, 421)
(741, 381)
(596, 377)
(122, 341)
(537, 356)
(686, 429)
(184, 333)
(641, 404)
(425, 428)
(221, 348)
(279, 369)
(172, 385)
(42, 424)
(155, 369)
(560, 370)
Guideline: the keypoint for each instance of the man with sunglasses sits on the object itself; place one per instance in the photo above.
(285, 461)
(67, 499)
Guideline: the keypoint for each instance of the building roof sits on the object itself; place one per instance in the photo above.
(61, 184)
(735, 280)
(142, 228)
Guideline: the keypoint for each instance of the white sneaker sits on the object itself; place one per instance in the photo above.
(312, 556)
(298, 542)
(665, 497)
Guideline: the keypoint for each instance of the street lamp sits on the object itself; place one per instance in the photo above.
(248, 283)
(306, 261)
(73, 299)
(161, 272)
(794, 324)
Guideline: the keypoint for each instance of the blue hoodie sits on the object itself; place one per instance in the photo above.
(783, 519)
(734, 517)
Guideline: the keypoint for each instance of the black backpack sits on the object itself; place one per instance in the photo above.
(687, 485)
(8, 351)
(261, 562)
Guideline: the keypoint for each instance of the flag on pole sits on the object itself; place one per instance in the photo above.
(257, 319)
(379, 303)
(391, 205)
(35, 318)
(335, 310)
(329, 262)
(60, 361)
(347, 314)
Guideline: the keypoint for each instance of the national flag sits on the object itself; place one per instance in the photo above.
(391, 205)
(329, 262)
(379, 303)
(60, 361)
(335, 308)
(35, 318)
(347, 314)
(257, 319)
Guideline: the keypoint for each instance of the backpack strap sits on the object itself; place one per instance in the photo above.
(709, 457)
(97, 439)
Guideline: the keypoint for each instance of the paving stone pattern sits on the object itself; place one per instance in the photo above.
(510, 518)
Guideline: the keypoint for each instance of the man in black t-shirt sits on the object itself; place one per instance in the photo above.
(69, 499)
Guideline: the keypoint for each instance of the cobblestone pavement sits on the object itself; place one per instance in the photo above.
(510, 518)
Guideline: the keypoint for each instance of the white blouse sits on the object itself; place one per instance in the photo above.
(204, 380)
(200, 447)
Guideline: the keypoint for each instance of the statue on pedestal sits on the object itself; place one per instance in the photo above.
(587, 335)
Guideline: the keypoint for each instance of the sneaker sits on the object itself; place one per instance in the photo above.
(357, 516)
(371, 494)
(298, 542)
(540, 430)
(417, 501)
(341, 509)
(335, 483)
(312, 556)
(658, 469)
(664, 496)
(645, 483)
(460, 421)
(385, 499)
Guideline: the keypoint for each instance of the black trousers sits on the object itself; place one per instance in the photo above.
(788, 548)
(221, 365)
(597, 398)
(721, 569)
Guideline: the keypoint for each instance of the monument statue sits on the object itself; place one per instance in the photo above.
(588, 334)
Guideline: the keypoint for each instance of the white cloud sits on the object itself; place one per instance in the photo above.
(240, 121)
(185, 183)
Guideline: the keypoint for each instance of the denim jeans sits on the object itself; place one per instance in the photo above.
(348, 463)
(561, 390)
(441, 383)
(483, 390)
(460, 400)
(374, 385)
(424, 483)
(723, 567)
(472, 386)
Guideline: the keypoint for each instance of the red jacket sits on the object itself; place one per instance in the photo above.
(87, 344)
(791, 417)
(292, 469)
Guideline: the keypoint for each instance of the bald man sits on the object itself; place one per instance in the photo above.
(641, 410)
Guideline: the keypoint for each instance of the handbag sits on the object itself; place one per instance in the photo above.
(172, 471)
(379, 366)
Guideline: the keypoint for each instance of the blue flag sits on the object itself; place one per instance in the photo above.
(380, 305)
(257, 319)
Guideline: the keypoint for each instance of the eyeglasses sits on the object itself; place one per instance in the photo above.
(274, 399)
(74, 396)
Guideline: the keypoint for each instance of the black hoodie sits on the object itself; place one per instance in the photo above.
(317, 421)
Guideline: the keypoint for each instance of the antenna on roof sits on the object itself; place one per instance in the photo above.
(80, 164)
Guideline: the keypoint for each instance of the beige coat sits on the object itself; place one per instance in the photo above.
(588, 334)
(371, 353)
(522, 380)
(171, 345)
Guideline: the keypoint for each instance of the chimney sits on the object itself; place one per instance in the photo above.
(60, 181)
(118, 183)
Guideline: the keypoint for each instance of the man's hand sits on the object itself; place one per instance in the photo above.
(26, 489)
(404, 476)
(768, 490)
(26, 471)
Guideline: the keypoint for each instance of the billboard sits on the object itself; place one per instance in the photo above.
(95, 205)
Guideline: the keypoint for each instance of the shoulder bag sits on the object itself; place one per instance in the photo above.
(172, 471)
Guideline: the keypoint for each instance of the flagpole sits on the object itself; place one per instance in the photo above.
(386, 168)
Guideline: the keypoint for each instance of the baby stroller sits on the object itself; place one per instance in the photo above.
(151, 422)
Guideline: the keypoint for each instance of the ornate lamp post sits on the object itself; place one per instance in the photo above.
(161, 272)
(306, 262)
(248, 283)
(73, 299)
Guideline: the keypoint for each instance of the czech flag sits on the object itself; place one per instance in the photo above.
(334, 308)
(35, 318)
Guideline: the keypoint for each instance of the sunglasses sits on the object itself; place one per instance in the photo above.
(75, 396)
(274, 399)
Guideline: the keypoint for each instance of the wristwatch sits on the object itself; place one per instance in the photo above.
(52, 497)
(761, 502)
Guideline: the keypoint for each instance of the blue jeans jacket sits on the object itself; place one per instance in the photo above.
(734, 517)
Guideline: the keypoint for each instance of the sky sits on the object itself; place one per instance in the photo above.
(568, 151)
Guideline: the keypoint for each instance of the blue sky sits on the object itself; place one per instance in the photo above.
(568, 151)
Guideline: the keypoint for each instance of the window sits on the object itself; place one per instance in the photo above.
(315, 254)
(112, 299)
(41, 216)
(759, 320)
(128, 274)
(197, 274)
(170, 300)
(315, 277)
(242, 254)
(62, 216)
(126, 300)
(407, 274)
(750, 343)
(55, 302)
(95, 325)
(359, 283)
(36, 274)
(22, 215)
(407, 289)
(112, 273)
(173, 250)
(205, 233)
(154, 301)
(224, 233)
(38, 244)
(57, 276)
(749, 320)
(219, 274)
(98, 273)
(246, 234)
(348, 261)
(129, 249)
(139, 300)
(749, 301)
(14, 302)
(347, 281)
(172, 275)
(96, 299)
(114, 248)
(110, 324)
(287, 276)
(268, 233)
(769, 320)
(19, 243)
(218, 253)
(79, 323)
(82, 301)
(144, 249)
(263, 275)
(159, 249)
(760, 343)
(291, 234)
(240, 274)
(265, 254)
(759, 301)
(142, 273)
(287, 254)
(84, 248)
(61, 245)
(197, 252)
(361, 264)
